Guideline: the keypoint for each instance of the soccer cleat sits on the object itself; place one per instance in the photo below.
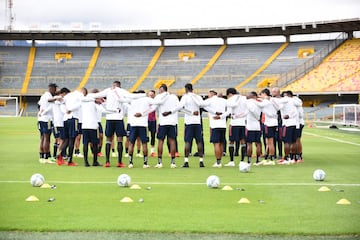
(159, 165)
(130, 165)
(173, 165)
(50, 161)
(217, 165)
(300, 161)
(257, 164)
(230, 164)
(100, 154)
(177, 154)
(269, 163)
(96, 164)
(60, 160)
(280, 160)
(201, 164)
(263, 162)
(152, 154)
(79, 155)
(285, 162)
(146, 166)
(139, 155)
(42, 160)
(120, 165)
(126, 155)
(107, 164)
(87, 164)
(186, 165)
(72, 164)
(114, 154)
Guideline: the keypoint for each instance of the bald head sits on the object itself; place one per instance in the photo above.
(275, 92)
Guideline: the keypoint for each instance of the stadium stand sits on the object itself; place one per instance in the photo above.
(340, 68)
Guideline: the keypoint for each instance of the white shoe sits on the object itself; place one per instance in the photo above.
(230, 164)
(257, 163)
(159, 165)
(285, 162)
(217, 165)
(49, 161)
(146, 166)
(42, 160)
(79, 155)
(139, 155)
(114, 154)
(126, 155)
(130, 165)
(173, 165)
(269, 163)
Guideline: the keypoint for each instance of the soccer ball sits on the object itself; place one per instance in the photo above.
(319, 175)
(244, 167)
(213, 181)
(124, 180)
(37, 180)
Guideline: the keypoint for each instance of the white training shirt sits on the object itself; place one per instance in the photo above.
(89, 113)
(188, 104)
(73, 104)
(45, 112)
(288, 106)
(140, 105)
(216, 104)
(238, 110)
(58, 115)
(270, 112)
(253, 117)
(166, 102)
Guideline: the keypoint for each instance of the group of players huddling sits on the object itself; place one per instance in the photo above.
(278, 118)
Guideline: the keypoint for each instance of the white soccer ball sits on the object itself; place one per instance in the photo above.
(319, 175)
(244, 167)
(213, 181)
(37, 180)
(124, 180)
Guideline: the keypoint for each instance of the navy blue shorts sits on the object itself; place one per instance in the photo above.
(253, 136)
(115, 126)
(152, 126)
(58, 132)
(128, 130)
(79, 128)
(100, 127)
(270, 131)
(289, 134)
(140, 132)
(71, 128)
(192, 131)
(236, 133)
(217, 135)
(45, 127)
(299, 131)
(90, 136)
(167, 130)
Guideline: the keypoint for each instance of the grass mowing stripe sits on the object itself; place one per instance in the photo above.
(198, 183)
(330, 138)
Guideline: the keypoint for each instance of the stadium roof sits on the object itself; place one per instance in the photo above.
(345, 25)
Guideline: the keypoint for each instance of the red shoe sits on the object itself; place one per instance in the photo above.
(100, 154)
(120, 165)
(281, 160)
(72, 164)
(60, 160)
(107, 164)
(153, 154)
(177, 154)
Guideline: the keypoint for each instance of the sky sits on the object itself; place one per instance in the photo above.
(170, 14)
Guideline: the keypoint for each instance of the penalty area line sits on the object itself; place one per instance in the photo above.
(203, 183)
(333, 139)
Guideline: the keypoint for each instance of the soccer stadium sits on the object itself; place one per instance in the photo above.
(315, 196)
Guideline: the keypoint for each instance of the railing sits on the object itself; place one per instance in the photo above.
(292, 75)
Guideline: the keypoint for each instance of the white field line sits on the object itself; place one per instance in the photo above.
(333, 139)
(203, 183)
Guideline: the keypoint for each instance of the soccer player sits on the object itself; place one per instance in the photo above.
(115, 96)
(152, 126)
(58, 121)
(45, 116)
(290, 116)
(275, 92)
(192, 122)
(253, 130)
(216, 107)
(165, 102)
(237, 106)
(138, 111)
(71, 108)
(270, 125)
(300, 126)
(90, 127)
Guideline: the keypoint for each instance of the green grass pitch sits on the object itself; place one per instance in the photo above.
(284, 200)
